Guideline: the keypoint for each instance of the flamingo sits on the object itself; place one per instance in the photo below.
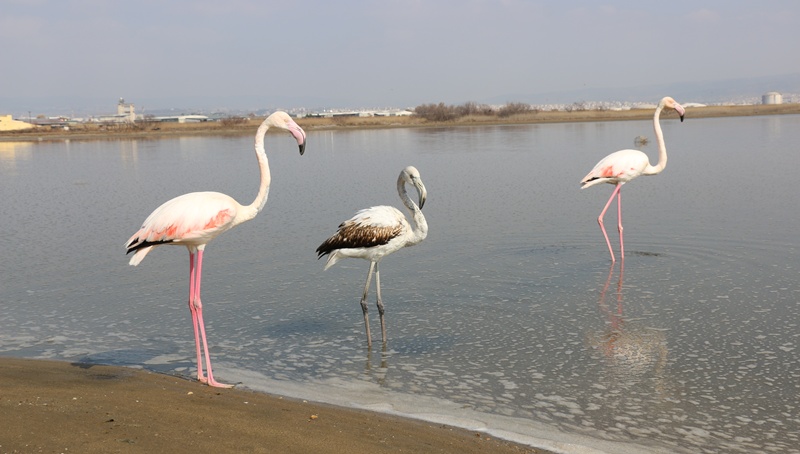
(376, 232)
(194, 219)
(622, 166)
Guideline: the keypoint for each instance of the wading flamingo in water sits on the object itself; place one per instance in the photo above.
(194, 219)
(622, 166)
(376, 232)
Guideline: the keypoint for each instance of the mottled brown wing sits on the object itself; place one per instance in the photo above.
(353, 235)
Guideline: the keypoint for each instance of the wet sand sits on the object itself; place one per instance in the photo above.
(61, 407)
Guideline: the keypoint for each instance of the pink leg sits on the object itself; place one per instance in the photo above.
(619, 223)
(608, 345)
(201, 325)
(192, 297)
(620, 320)
(600, 220)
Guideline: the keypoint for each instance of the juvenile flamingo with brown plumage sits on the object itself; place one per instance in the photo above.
(194, 219)
(622, 166)
(376, 232)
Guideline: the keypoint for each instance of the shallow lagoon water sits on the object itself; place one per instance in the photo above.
(508, 318)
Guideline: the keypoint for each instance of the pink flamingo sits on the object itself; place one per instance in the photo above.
(622, 166)
(194, 219)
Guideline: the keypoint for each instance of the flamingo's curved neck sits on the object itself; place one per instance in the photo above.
(662, 147)
(263, 165)
(420, 224)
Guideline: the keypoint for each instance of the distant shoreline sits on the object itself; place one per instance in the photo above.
(155, 131)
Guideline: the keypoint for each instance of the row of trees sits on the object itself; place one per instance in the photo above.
(443, 112)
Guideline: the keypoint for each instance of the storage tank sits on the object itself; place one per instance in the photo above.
(772, 97)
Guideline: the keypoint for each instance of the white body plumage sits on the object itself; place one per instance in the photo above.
(192, 220)
(622, 166)
(376, 232)
(373, 233)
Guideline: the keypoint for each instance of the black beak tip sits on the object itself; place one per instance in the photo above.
(681, 118)
(302, 148)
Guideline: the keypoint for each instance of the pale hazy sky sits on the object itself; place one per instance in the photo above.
(379, 53)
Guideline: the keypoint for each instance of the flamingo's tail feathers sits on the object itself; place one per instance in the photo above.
(325, 248)
(591, 181)
(332, 259)
(141, 248)
(139, 255)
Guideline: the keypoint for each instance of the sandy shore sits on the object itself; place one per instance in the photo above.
(60, 407)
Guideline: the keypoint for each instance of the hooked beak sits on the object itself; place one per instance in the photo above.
(423, 193)
(298, 134)
(681, 111)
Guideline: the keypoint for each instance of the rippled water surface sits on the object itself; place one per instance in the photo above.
(509, 317)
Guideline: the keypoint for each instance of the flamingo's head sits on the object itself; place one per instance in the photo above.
(670, 103)
(283, 121)
(411, 176)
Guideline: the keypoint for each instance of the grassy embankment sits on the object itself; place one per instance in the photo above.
(160, 130)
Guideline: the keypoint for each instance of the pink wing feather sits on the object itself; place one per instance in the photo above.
(190, 219)
(618, 167)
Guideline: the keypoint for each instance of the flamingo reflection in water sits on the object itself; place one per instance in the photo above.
(632, 351)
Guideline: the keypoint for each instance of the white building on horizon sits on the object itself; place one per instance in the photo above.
(126, 112)
(772, 97)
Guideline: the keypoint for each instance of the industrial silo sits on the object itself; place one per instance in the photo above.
(772, 97)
